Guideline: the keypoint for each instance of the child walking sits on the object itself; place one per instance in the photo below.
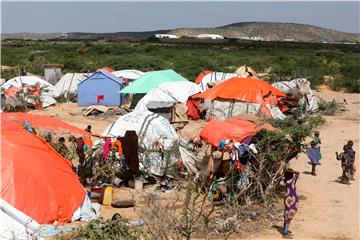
(313, 154)
(291, 199)
(346, 166)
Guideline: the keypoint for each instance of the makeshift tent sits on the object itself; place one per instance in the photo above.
(298, 92)
(242, 95)
(35, 179)
(69, 82)
(105, 69)
(41, 121)
(202, 75)
(130, 74)
(47, 95)
(214, 77)
(150, 128)
(101, 88)
(246, 72)
(215, 130)
(151, 80)
(168, 92)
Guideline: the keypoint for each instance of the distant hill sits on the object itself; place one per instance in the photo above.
(83, 35)
(269, 31)
(272, 31)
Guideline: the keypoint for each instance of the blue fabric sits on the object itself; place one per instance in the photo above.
(28, 127)
(100, 83)
(314, 155)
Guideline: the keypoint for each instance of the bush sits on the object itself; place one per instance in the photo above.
(115, 228)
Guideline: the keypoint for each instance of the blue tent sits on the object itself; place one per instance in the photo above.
(101, 88)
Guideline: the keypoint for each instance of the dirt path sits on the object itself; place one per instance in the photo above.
(328, 209)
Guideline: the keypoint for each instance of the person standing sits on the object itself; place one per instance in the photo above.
(291, 199)
(313, 154)
(351, 154)
(345, 164)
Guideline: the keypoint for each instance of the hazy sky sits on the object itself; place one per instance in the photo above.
(140, 16)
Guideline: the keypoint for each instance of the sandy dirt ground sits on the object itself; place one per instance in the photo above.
(327, 209)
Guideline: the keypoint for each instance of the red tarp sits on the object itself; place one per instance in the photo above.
(41, 121)
(193, 109)
(201, 75)
(106, 69)
(215, 130)
(35, 179)
(244, 89)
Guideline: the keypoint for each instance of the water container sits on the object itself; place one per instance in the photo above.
(107, 196)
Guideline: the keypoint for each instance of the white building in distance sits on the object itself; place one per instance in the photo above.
(209, 36)
(166, 36)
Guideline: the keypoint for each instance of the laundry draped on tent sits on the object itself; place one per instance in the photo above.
(151, 80)
(169, 92)
(35, 179)
(243, 95)
(48, 93)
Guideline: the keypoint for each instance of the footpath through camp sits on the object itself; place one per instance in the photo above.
(327, 209)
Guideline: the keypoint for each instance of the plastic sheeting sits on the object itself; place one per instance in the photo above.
(47, 96)
(128, 74)
(202, 75)
(149, 127)
(169, 92)
(35, 179)
(69, 82)
(222, 109)
(40, 121)
(213, 77)
(151, 80)
(299, 89)
(244, 89)
(215, 131)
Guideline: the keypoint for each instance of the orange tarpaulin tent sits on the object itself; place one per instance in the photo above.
(243, 89)
(35, 179)
(216, 130)
(201, 75)
(106, 69)
(41, 121)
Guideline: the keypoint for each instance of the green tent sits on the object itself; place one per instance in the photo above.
(151, 80)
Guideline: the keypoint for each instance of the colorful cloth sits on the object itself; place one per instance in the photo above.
(291, 200)
(87, 146)
(117, 144)
(314, 155)
(107, 147)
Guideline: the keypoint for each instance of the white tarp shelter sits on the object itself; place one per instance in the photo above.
(48, 94)
(224, 109)
(69, 82)
(212, 78)
(169, 92)
(131, 74)
(299, 89)
(150, 128)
